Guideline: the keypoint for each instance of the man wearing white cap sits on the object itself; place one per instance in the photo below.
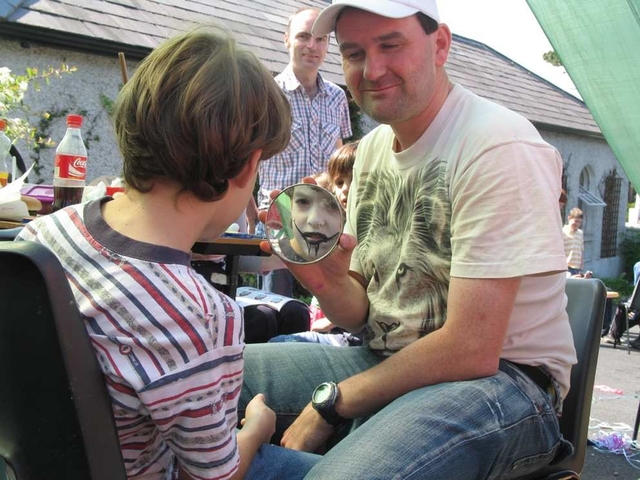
(468, 348)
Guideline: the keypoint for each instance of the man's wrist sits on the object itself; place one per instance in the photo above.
(324, 400)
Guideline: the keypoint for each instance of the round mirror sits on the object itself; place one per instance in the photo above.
(304, 223)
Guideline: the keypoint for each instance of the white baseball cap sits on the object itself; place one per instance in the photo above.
(326, 21)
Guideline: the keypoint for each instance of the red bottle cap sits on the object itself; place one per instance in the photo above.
(74, 120)
(3, 124)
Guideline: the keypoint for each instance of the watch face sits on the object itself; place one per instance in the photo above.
(322, 393)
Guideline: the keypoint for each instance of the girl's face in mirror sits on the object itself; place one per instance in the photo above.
(304, 223)
(317, 221)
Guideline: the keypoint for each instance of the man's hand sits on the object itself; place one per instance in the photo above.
(331, 281)
(308, 433)
(316, 277)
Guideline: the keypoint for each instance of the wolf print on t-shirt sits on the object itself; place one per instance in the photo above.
(404, 246)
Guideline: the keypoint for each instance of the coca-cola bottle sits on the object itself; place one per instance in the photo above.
(70, 166)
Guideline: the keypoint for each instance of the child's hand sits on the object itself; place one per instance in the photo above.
(259, 419)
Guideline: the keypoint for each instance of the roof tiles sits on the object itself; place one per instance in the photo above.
(259, 25)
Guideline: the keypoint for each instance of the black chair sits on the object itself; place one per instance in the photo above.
(631, 305)
(636, 425)
(56, 420)
(585, 307)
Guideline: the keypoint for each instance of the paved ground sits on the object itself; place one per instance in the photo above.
(621, 373)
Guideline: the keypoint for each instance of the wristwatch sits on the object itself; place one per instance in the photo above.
(324, 400)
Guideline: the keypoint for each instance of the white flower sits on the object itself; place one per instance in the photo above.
(5, 74)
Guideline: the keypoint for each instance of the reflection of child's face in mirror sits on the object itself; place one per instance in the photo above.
(341, 185)
(317, 221)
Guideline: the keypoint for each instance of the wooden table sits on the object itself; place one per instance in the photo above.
(232, 247)
(4, 224)
(9, 230)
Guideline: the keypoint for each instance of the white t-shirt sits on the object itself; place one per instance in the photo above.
(476, 197)
(573, 246)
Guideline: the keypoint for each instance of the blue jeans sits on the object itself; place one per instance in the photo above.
(313, 337)
(344, 339)
(502, 426)
(277, 463)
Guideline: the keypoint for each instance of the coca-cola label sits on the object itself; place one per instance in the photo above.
(73, 167)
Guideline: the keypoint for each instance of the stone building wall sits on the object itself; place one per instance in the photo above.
(89, 89)
(594, 155)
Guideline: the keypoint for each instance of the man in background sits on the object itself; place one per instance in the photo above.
(320, 122)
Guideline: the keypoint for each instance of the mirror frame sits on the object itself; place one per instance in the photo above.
(279, 216)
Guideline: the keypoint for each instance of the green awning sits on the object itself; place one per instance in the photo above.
(598, 42)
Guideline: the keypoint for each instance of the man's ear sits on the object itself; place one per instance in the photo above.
(286, 40)
(443, 44)
(249, 171)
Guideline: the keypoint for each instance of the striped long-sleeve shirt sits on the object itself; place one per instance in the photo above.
(170, 345)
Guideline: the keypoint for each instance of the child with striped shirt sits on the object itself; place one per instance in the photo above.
(193, 124)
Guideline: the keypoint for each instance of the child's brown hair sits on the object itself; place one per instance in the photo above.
(195, 110)
(342, 160)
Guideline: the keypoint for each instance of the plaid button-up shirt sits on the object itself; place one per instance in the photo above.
(318, 123)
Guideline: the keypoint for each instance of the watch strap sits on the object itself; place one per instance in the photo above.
(332, 417)
(328, 410)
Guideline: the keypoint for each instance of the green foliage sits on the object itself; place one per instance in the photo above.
(621, 285)
(42, 130)
(17, 112)
(107, 104)
(355, 115)
(89, 135)
(553, 58)
(12, 107)
(301, 293)
(630, 249)
(249, 280)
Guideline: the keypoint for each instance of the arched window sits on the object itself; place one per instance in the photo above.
(587, 197)
(585, 180)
